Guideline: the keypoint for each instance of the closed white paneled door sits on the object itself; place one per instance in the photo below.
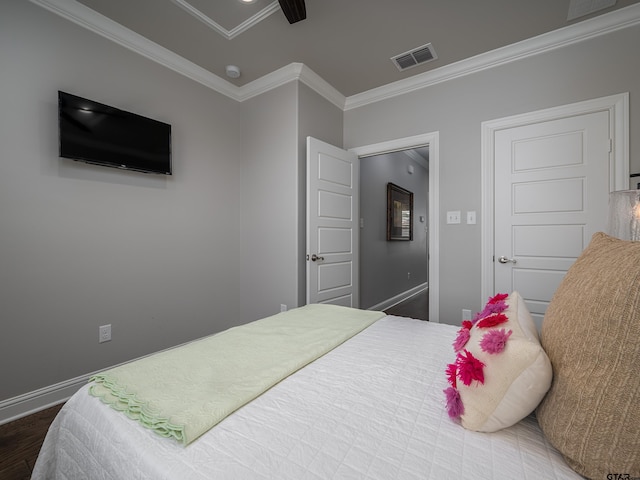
(552, 182)
(332, 234)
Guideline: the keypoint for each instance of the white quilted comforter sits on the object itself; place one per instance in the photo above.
(373, 408)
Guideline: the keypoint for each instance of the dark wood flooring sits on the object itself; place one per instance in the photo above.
(20, 443)
(416, 306)
(20, 440)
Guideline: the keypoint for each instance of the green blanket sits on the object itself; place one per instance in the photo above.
(183, 392)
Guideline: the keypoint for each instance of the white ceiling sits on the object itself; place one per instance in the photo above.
(348, 43)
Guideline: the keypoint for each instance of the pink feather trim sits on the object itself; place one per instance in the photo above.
(469, 368)
(499, 297)
(492, 320)
(452, 373)
(455, 408)
(494, 305)
(461, 340)
(495, 341)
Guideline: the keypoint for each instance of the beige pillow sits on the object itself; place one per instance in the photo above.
(591, 333)
(514, 372)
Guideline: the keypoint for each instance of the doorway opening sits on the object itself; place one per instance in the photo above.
(392, 271)
(386, 270)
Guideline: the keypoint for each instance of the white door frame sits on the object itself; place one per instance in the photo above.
(618, 107)
(432, 140)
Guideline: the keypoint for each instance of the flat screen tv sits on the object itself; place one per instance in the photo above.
(95, 133)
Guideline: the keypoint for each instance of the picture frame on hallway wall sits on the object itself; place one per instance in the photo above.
(399, 213)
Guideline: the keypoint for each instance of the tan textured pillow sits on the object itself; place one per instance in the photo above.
(591, 333)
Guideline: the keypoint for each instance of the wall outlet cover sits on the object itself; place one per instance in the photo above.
(104, 333)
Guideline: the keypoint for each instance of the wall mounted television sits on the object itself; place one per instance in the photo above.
(102, 135)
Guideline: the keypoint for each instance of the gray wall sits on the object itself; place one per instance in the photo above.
(384, 265)
(162, 259)
(273, 158)
(82, 246)
(166, 260)
(268, 203)
(595, 68)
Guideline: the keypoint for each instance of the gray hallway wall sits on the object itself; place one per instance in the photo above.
(385, 265)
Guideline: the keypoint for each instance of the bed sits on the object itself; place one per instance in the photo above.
(373, 407)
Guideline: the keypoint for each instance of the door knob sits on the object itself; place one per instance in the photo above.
(315, 257)
(504, 259)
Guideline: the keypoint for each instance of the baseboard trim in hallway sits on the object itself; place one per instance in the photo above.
(415, 306)
(401, 297)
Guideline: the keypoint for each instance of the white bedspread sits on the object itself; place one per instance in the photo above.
(373, 408)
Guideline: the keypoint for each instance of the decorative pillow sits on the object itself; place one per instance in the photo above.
(501, 372)
(591, 332)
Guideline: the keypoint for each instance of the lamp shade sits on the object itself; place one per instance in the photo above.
(624, 215)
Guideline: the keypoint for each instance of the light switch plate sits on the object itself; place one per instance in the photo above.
(453, 217)
(471, 218)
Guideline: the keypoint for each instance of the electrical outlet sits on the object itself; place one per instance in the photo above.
(283, 307)
(466, 314)
(104, 333)
(408, 275)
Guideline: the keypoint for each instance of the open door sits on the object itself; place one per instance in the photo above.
(332, 224)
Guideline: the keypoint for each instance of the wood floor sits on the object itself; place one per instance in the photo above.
(20, 440)
(20, 443)
(414, 307)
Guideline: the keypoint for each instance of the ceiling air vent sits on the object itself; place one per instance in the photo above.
(578, 8)
(414, 57)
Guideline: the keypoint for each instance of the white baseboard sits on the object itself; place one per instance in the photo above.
(37, 400)
(32, 402)
(401, 297)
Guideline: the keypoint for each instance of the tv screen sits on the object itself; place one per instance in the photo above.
(95, 133)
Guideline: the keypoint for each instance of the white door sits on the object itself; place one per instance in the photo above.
(552, 182)
(332, 233)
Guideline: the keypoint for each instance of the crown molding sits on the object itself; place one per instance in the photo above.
(288, 73)
(600, 25)
(270, 81)
(322, 87)
(234, 32)
(107, 28)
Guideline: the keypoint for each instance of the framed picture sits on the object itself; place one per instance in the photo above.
(399, 213)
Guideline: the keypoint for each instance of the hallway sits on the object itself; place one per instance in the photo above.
(416, 306)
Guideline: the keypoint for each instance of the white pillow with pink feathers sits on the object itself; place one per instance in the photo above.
(501, 372)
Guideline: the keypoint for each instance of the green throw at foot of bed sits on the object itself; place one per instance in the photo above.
(183, 392)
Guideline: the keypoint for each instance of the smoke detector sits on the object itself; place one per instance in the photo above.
(232, 71)
(414, 57)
